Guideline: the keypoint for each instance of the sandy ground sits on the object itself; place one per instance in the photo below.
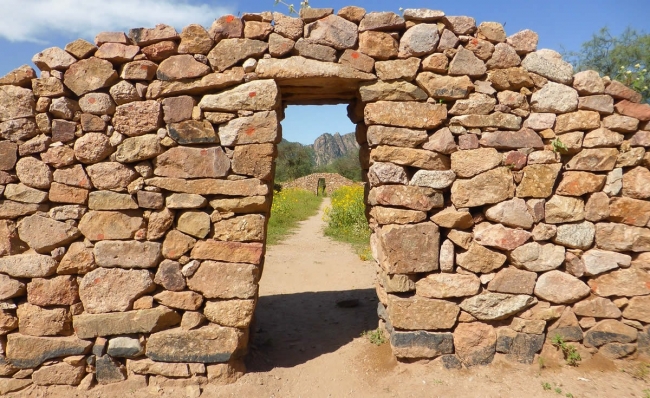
(305, 345)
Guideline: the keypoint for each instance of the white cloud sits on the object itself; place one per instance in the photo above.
(35, 20)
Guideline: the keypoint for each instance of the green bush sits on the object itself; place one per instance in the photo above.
(376, 336)
(346, 219)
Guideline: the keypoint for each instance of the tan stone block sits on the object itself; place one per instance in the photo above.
(538, 180)
(469, 163)
(279, 46)
(8, 323)
(189, 301)
(513, 281)
(620, 91)
(419, 158)
(10, 287)
(388, 215)
(113, 290)
(112, 176)
(194, 223)
(475, 343)
(560, 288)
(229, 52)
(44, 234)
(629, 211)
(176, 244)
(479, 259)
(150, 200)
(59, 374)
(139, 70)
(578, 183)
(496, 235)
(136, 149)
(207, 344)
(195, 40)
(411, 197)
(88, 326)
(395, 241)
(254, 160)
(580, 120)
(228, 251)
(416, 313)
(185, 162)
(148, 367)
(60, 290)
(444, 87)
(447, 285)
(378, 45)
(636, 183)
(251, 204)
(452, 218)
(159, 223)
(23, 193)
(21, 76)
(621, 237)
(100, 225)
(357, 60)
(208, 83)
(238, 281)
(29, 351)
(247, 187)
(77, 260)
(160, 51)
(127, 254)
(37, 321)
(240, 229)
(89, 75)
(233, 313)
(108, 200)
(495, 185)
(179, 67)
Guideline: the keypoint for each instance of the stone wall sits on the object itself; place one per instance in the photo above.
(333, 182)
(508, 196)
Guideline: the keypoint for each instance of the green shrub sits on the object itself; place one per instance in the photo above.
(346, 219)
(571, 354)
(376, 336)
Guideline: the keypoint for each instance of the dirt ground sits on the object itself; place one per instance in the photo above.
(305, 345)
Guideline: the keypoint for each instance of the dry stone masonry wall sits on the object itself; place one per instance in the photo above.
(509, 197)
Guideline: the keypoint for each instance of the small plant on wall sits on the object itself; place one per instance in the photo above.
(558, 146)
(571, 354)
(376, 336)
(292, 9)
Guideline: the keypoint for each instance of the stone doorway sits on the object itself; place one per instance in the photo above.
(501, 181)
(316, 295)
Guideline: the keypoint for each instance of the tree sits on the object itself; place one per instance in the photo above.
(293, 161)
(625, 58)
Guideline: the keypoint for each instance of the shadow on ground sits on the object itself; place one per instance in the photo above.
(291, 329)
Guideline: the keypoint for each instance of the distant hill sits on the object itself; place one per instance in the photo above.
(328, 147)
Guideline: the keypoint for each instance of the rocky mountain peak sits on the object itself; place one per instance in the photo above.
(328, 147)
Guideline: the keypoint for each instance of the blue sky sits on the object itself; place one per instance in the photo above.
(28, 26)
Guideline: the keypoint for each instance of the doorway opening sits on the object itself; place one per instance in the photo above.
(316, 293)
(317, 139)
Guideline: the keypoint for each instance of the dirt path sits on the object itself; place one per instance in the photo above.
(304, 345)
